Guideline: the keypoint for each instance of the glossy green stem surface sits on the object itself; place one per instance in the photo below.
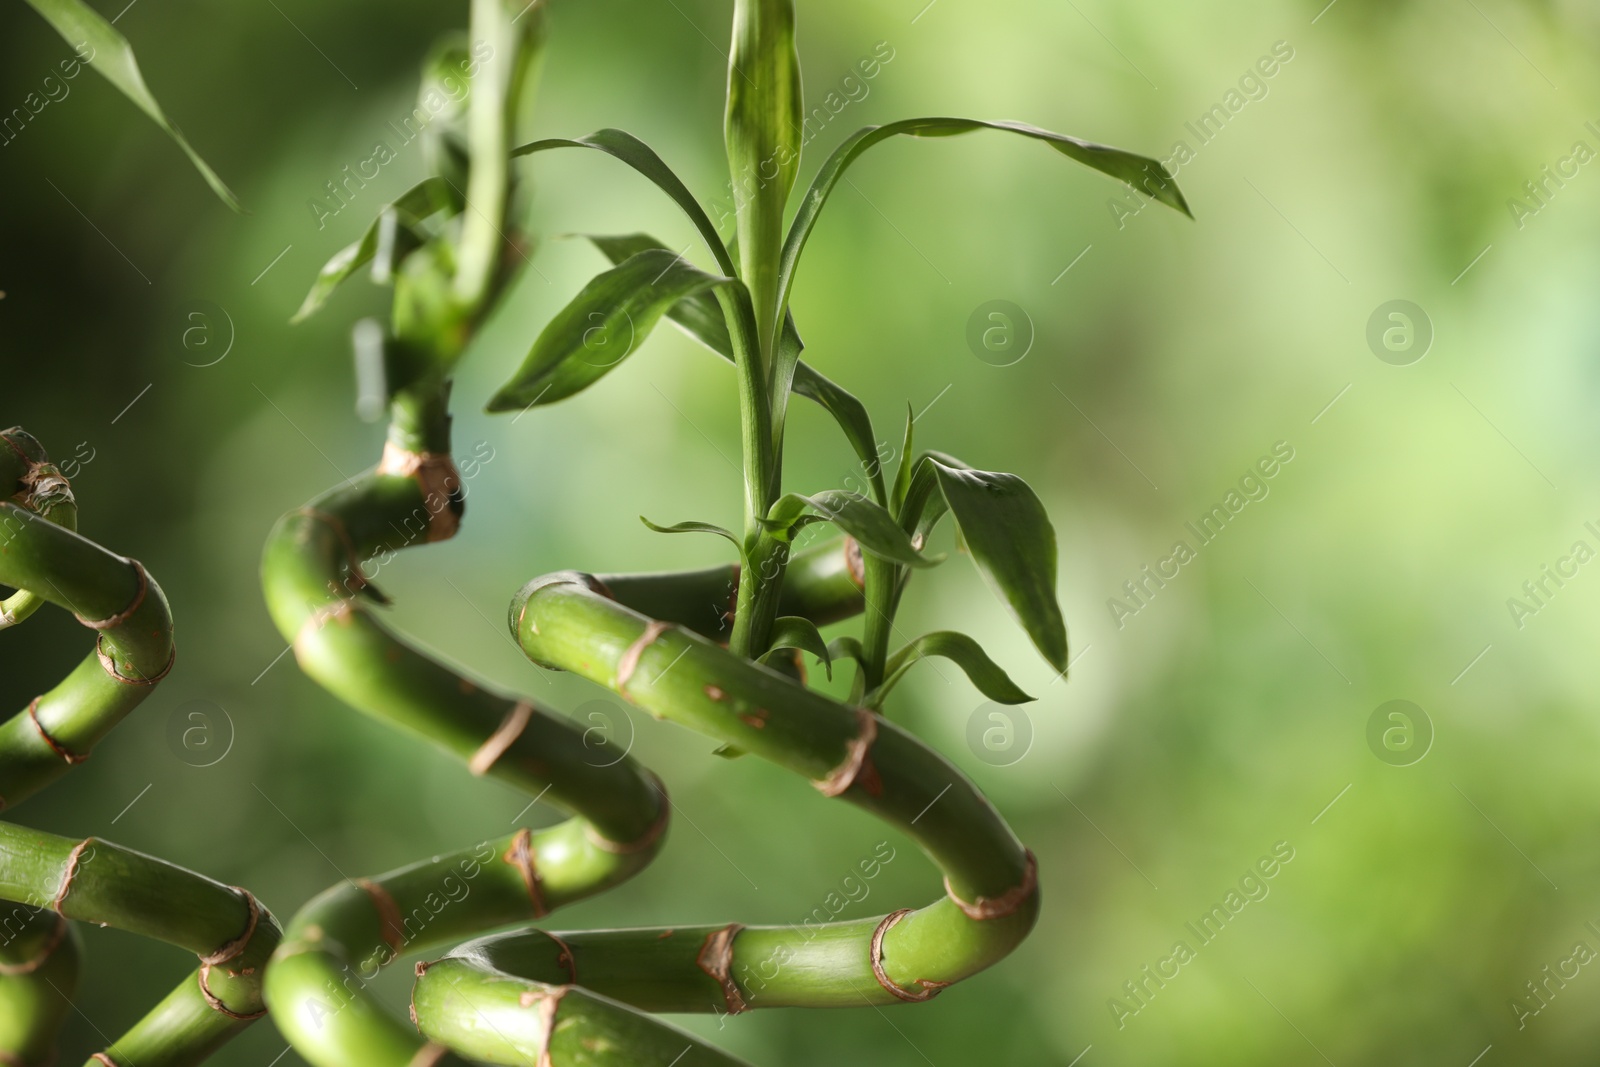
(51, 879)
(991, 897)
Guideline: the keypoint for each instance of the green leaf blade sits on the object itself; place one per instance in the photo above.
(694, 527)
(865, 520)
(600, 327)
(1011, 540)
(423, 200)
(987, 675)
(641, 157)
(1140, 172)
(763, 135)
(793, 631)
(112, 56)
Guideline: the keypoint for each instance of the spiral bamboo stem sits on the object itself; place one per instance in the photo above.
(51, 879)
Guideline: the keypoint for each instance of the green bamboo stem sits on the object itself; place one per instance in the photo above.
(991, 890)
(502, 1018)
(103, 883)
(51, 497)
(52, 879)
(822, 583)
(39, 958)
(108, 593)
(322, 601)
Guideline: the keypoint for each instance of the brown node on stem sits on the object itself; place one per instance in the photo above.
(110, 666)
(34, 962)
(55, 746)
(716, 960)
(564, 956)
(854, 563)
(126, 613)
(548, 1003)
(436, 477)
(101, 1057)
(388, 914)
(630, 659)
(928, 988)
(521, 856)
(504, 737)
(857, 762)
(646, 839)
(225, 954)
(69, 873)
(1006, 903)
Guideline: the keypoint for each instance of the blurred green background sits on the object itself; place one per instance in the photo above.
(1228, 715)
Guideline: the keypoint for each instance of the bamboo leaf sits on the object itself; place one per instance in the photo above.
(762, 131)
(603, 325)
(991, 680)
(110, 53)
(423, 200)
(1145, 175)
(902, 477)
(793, 631)
(694, 527)
(700, 316)
(847, 647)
(849, 412)
(638, 155)
(866, 521)
(1010, 538)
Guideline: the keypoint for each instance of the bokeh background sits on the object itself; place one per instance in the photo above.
(1227, 717)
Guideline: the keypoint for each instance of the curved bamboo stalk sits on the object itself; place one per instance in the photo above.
(319, 590)
(51, 879)
(991, 887)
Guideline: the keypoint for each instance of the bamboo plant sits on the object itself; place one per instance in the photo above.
(716, 649)
(48, 879)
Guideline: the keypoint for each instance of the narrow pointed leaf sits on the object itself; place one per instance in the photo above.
(762, 131)
(847, 647)
(603, 325)
(793, 631)
(866, 521)
(1010, 538)
(902, 477)
(990, 679)
(924, 504)
(638, 155)
(849, 412)
(111, 54)
(700, 316)
(1145, 175)
(421, 201)
(693, 527)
